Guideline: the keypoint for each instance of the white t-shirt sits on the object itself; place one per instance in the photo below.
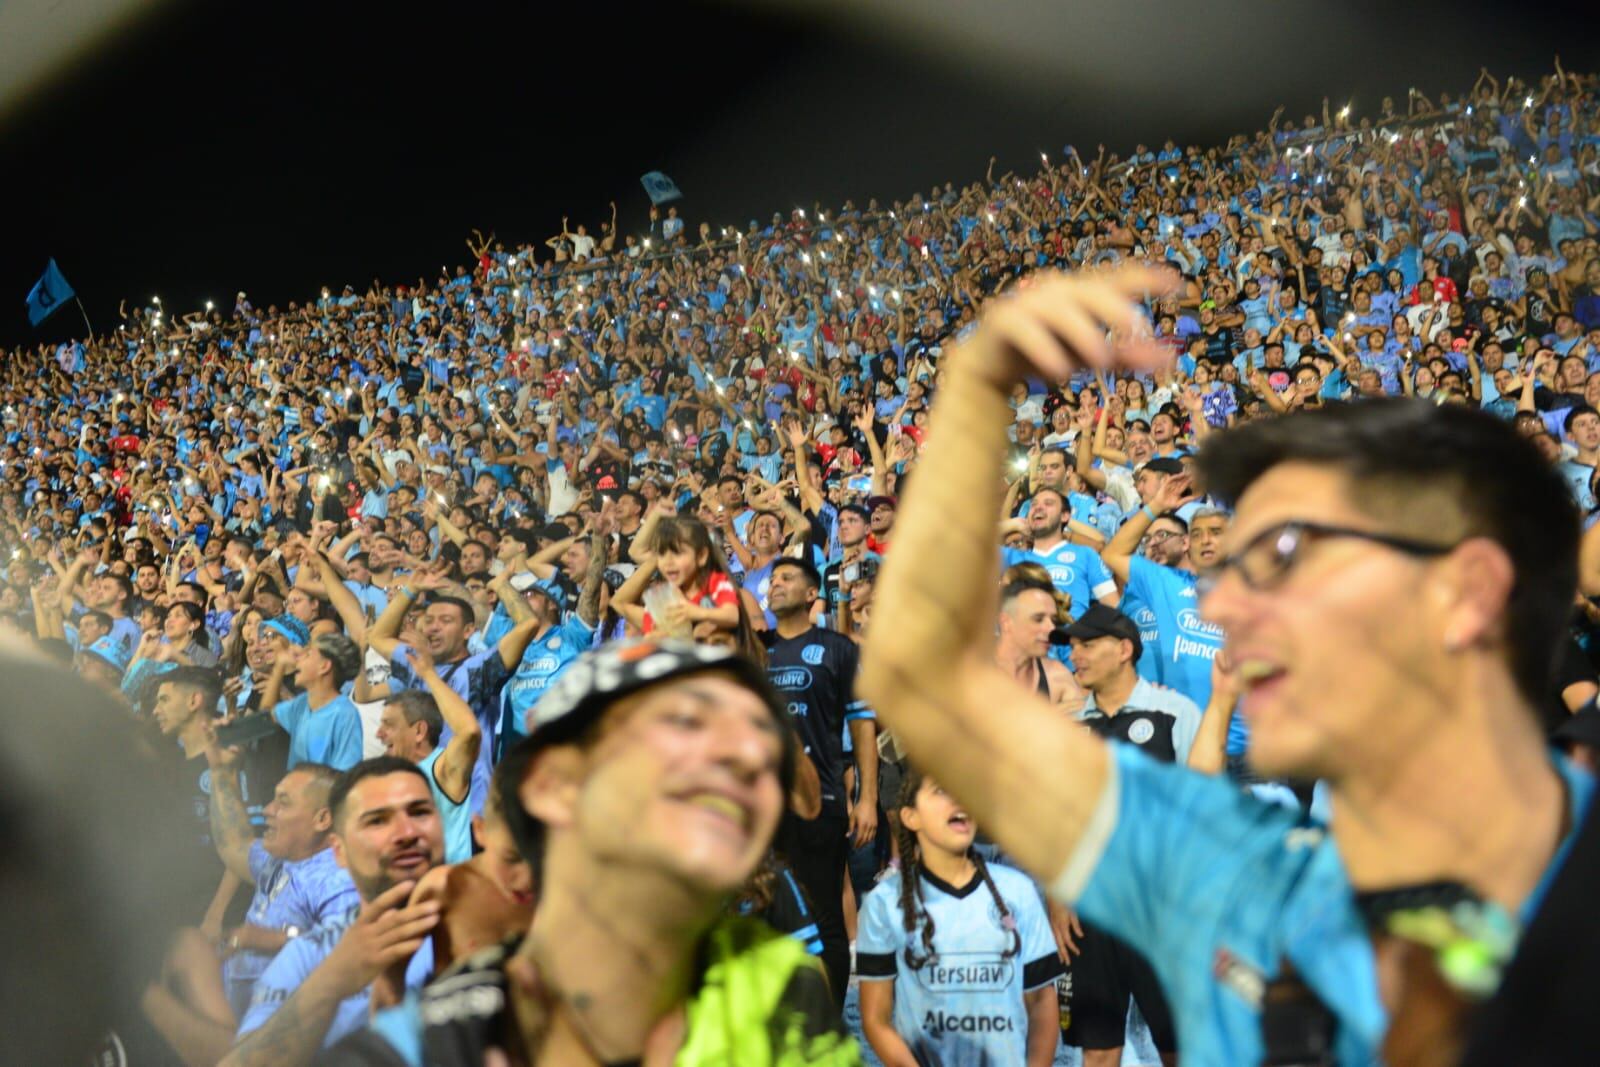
(376, 668)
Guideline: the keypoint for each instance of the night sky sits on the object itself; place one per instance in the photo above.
(279, 147)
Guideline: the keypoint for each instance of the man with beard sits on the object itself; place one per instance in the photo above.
(1165, 542)
(1074, 570)
(387, 835)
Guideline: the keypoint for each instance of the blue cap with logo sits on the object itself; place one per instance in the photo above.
(110, 650)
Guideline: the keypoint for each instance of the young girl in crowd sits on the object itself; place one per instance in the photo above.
(680, 550)
(956, 959)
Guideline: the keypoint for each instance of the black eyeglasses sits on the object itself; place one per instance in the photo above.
(1269, 556)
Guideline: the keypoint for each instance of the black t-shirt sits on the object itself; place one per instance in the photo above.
(790, 911)
(815, 674)
(1572, 667)
(193, 820)
(265, 763)
(1154, 737)
(1219, 343)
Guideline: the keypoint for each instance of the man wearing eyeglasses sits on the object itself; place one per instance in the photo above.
(1185, 642)
(1165, 542)
(1395, 581)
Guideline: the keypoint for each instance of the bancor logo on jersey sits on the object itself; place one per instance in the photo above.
(1196, 636)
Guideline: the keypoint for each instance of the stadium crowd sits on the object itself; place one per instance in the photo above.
(346, 557)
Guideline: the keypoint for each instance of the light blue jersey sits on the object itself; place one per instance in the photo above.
(454, 816)
(1074, 570)
(331, 734)
(965, 1006)
(1577, 476)
(542, 663)
(1185, 643)
(1149, 634)
(477, 679)
(1218, 890)
(290, 968)
(299, 893)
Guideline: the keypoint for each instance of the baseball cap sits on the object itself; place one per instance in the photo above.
(599, 678)
(292, 629)
(876, 502)
(110, 650)
(1101, 621)
(550, 587)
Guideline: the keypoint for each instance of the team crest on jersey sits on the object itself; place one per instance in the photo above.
(205, 781)
(1244, 980)
(555, 643)
(812, 654)
(1141, 731)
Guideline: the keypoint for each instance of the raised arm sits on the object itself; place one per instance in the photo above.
(868, 425)
(927, 670)
(453, 770)
(230, 824)
(383, 636)
(344, 602)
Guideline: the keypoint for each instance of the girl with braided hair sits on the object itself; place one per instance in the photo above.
(955, 955)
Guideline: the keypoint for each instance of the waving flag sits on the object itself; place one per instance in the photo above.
(660, 188)
(48, 294)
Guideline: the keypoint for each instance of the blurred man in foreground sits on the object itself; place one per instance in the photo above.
(647, 792)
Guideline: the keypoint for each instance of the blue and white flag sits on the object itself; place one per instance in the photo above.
(660, 188)
(49, 293)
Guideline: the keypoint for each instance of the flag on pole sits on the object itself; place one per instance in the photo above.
(660, 188)
(48, 294)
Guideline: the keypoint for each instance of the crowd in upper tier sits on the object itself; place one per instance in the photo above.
(455, 486)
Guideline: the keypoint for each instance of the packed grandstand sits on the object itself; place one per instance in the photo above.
(458, 484)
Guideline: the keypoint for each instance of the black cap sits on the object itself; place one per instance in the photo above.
(602, 676)
(1581, 729)
(1101, 621)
